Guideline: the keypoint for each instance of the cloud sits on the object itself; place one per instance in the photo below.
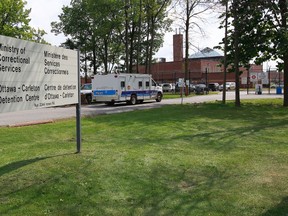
(44, 12)
(211, 38)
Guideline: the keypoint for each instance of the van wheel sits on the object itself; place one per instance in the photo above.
(133, 100)
(159, 97)
(89, 98)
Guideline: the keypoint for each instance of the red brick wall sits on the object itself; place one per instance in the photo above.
(171, 71)
(83, 80)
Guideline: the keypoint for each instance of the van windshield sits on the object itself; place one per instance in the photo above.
(86, 87)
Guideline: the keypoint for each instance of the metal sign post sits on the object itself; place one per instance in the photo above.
(181, 84)
(78, 110)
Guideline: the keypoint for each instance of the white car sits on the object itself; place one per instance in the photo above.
(167, 87)
(86, 90)
(229, 86)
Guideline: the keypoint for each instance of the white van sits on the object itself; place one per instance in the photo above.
(130, 88)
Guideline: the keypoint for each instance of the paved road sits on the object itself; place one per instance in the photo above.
(45, 115)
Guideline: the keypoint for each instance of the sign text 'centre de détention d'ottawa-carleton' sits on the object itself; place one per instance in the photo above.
(12, 61)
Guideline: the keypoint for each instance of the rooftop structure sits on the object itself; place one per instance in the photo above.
(206, 53)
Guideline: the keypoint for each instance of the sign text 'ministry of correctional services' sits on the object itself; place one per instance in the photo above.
(34, 75)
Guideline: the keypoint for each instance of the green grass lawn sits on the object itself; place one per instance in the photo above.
(201, 159)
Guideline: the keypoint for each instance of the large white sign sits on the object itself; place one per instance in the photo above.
(34, 75)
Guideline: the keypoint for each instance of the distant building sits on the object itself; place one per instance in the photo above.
(203, 65)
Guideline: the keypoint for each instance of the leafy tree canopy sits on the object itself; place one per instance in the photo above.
(14, 21)
(109, 31)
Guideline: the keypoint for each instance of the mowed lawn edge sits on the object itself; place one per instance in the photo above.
(191, 159)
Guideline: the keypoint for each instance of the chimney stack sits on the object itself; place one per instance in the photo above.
(178, 47)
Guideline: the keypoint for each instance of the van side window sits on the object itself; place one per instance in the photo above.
(122, 84)
(154, 83)
(147, 84)
(140, 84)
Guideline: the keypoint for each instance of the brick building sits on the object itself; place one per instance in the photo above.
(203, 65)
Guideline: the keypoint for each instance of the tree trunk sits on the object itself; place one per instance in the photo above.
(94, 62)
(187, 26)
(131, 51)
(85, 69)
(151, 45)
(236, 50)
(285, 102)
(225, 54)
(106, 56)
(126, 37)
(139, 37)
(283, 10)
(147, 46)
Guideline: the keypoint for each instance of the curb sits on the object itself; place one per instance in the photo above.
(30, 123)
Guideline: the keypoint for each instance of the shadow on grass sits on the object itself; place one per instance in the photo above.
(226, 125)
(23, 188)
(184, 194)
(19, 164)
(223, 137)
(280, 210)
(222, 122)
(253, 113)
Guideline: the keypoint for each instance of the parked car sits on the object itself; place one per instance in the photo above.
(192, 88)
(213, 86)
(178, 88)
(221, 87)
(167, 87)
(201, 89)
(86, 90)
(229, 86)
(275, 85)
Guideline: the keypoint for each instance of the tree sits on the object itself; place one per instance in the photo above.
(243, 41)
(236, 47)
(145, 24)
(114, 31)
(189, 13)
(94, 36)
(104, 15)
(225, 23)
(263, 34)
(156, 25)
(14, 21)
(275, 22)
